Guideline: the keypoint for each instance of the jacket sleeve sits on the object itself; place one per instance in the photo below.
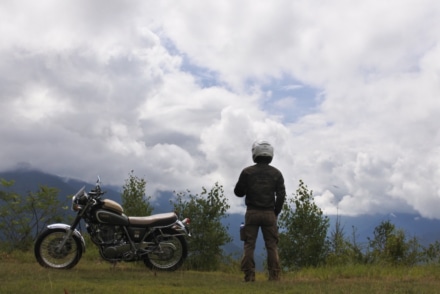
(280, 195)
(240, 188)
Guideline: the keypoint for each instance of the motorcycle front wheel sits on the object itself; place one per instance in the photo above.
(48, 252)
(170, 252)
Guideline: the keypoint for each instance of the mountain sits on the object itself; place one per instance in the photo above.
(26, 180)
(362, 227)
(426, 230)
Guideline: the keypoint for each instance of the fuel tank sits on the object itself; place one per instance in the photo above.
(112, 205)
(110, 217)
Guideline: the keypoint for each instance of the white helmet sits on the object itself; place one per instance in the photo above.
(262, 149)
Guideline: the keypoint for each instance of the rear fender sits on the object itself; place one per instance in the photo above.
(75, 233)
(181, 227)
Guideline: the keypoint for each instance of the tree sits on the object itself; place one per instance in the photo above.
(338, 245)
(390, 245)
(23, 217)
(208, 234)
(341, 250)
(303, 231)
(134, 201)
(432, 253)
(45, 207)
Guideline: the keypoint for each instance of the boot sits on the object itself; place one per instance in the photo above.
(249, 276)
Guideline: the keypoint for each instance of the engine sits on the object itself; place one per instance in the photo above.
(106, 234)
(111, 241)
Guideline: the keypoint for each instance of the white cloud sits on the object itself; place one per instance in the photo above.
(178, 91)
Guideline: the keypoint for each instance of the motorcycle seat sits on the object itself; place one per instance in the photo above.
(161, 219)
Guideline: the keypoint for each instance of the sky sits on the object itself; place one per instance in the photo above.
(347, 92)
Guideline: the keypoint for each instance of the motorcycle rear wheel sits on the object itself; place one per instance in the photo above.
(49, 255)
(170, 254)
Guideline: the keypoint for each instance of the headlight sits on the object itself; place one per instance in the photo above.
(76, 207)
(78, 201)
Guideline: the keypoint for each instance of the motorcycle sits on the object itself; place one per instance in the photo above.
(158, 240)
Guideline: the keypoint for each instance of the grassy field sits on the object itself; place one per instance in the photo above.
(20, 273)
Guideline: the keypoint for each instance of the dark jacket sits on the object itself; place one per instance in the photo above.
(263, 186)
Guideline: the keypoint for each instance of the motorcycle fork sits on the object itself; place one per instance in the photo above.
(70, 230)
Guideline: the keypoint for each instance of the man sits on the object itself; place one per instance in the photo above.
(263, 186)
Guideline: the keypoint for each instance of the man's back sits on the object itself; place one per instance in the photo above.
(261, 183)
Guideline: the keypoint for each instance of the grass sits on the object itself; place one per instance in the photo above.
(20, 273)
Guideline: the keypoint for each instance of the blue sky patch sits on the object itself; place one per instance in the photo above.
(290, 99)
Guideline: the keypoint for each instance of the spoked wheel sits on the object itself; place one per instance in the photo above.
(49, 253)
(169, 254)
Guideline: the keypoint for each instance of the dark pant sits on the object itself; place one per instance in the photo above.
(267, 221)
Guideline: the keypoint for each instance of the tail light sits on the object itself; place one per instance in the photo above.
(186, 221)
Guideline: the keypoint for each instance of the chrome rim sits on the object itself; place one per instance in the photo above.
(168, 253)
(57, 257)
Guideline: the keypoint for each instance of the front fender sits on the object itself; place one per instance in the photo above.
(75, 232)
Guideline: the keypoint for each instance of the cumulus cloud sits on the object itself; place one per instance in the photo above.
(347, 93)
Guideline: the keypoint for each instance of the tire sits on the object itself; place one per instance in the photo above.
(48, 255)
(171, 253)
